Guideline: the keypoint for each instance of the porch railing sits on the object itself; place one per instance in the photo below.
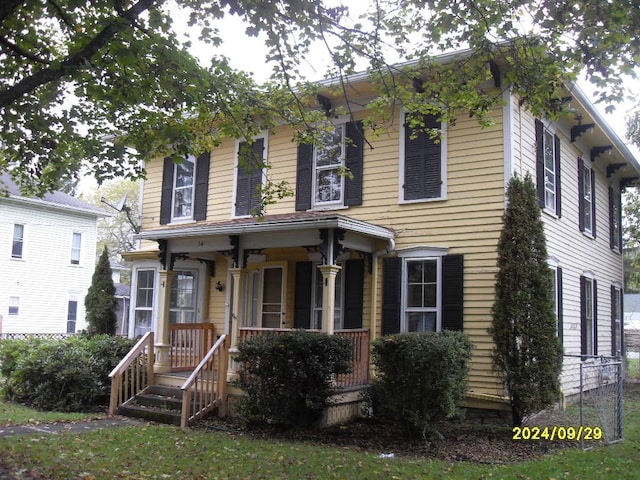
(189, 342)
(359, 357)
(133, 373)
(206, 387)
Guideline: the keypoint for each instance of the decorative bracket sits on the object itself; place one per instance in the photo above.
(247, 252)
(578, 130)
(627, 182)
(613, 168)
(162, 252)
(597, 151)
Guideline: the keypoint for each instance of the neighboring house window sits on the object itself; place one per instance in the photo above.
(18, 241)
(265, 299)
(617, 329)
(586, 198)
(589, 316)
(422, 293)
(143, 309)
(423, 168)
(615, 220)
(72, 315)
(184, 189)
(14, 305)
(75, 248)
(556, 296)
(182, 305)
(348, 296)
(548, 169)
(249, 177)
(330, 175)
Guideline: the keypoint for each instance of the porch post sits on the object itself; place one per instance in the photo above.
(234, 321)
(329, 273)
(163, 345)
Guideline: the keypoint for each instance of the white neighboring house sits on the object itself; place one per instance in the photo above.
(47, 259)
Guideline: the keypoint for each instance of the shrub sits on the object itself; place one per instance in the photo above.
(287, 378)
(421, 378)
(64, 375)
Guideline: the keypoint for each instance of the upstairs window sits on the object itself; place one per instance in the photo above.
(14, 305)
(615, 220)
(75, 248)
(548, 169)
(586, 198)
(423, 169)
(185, 187)
(328, 163)
(249, 177)
(18, 241)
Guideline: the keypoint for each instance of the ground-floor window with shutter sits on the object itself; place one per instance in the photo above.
(588, 314)
(422, 292)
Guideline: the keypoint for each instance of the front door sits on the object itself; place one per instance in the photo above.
(265, 299)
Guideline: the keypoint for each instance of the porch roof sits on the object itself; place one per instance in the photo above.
(272, 224)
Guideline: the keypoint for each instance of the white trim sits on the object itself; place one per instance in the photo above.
(147, 265)
(404, 309)
(422, 251)
(265, 156)
(341, 121)
(194, 161)
(508, 136)
(443, 163)
(585, 166)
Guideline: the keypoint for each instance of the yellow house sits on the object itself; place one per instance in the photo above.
(405, 243)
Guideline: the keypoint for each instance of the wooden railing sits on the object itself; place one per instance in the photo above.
(189, 342)
(206, 387)
(359, 358)
(133, 373)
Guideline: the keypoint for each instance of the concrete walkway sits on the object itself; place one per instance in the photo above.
(68, 427)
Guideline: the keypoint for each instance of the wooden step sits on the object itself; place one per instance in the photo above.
(157, 403)
(170, 417)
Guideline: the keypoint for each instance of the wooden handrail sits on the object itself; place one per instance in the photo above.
(133, 373)
(189, 341)
(206, 387)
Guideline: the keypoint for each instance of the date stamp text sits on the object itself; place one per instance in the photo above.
(557, 432)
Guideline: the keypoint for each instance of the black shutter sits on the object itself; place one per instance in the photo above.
(583, 316)
(202, 187)
(593, 203)
(595, 317)
(354, 163)
(167, 191)
(249, 177)
(559, 302)
(452, 292)
(580, 194)
(353, 293)
(557, 164)
(422, 162)
(391, 282)
(303, 177)
(304, 284)
(540, 162)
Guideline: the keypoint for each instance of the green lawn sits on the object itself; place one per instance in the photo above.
(164, 452)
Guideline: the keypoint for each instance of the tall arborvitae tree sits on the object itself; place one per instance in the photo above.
(100, 301)
(527, 352)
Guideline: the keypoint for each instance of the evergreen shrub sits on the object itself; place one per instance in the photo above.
(288, 378)
(421, 378)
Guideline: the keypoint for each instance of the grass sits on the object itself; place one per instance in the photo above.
(165, 452)
(15, 414)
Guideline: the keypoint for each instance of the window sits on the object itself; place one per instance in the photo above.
(18, 241)
(75, 248)
(185, 188)
(143, 309)
(14, 305)
(548, 169)
(72, 315)
(423, 169)
(422, 290)
(586, 194)
(249, 176)
(184, 180)
(615, 220)
(588, 313)
(330, 175)
(182, 303)
(556, 296)
(265, 299)
(617, 332)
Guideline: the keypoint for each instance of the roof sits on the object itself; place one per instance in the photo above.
(55, 199)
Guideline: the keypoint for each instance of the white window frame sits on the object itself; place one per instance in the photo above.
(419, 254)
(587, 200)
(74, 299)
(265, 137)
(589, 319)
(175, 189)
(617, 320)
(76, 250)
(315, 203)
(553, 266)
(550, 188)
(14, 306)
(19, 240)
(443, 163)
(152, 309)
